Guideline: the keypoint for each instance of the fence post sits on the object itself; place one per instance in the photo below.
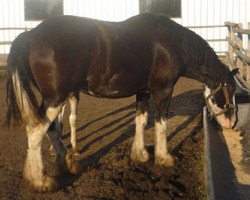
(239, 43)
(231, 38)
(248, 54)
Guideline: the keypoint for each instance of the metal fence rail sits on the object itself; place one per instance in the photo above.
(212, 41)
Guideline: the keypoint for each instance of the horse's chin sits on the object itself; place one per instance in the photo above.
(226, 122)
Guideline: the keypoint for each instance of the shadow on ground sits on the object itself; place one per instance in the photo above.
(176, 109)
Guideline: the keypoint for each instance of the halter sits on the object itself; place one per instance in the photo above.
(227, 106)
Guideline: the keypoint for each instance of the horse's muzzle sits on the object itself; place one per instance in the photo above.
(226, 122)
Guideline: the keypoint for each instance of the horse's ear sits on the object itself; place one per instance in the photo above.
(234, 71)
(204, 69)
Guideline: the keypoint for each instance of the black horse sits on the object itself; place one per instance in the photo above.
(144, 55)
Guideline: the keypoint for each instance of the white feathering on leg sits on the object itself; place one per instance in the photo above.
(138, 151)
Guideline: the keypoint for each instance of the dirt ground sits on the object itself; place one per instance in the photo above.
(3, 60)
(105, 135)
(233, 140)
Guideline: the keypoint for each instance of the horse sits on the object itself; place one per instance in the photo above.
(144, 56)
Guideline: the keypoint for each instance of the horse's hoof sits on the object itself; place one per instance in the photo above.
(62, 167)
(74, 167)
(166, 160)
(139, 155)
(48, 184)
(75, 152)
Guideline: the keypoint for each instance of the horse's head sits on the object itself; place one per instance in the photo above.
(220, 101)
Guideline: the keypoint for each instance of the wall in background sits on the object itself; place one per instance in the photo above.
(193, 13)
(12, 14)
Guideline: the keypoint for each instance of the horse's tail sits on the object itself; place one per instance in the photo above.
(21, 100)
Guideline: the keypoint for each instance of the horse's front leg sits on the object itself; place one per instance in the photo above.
(162, 100)
(33, 168)
(138, 151)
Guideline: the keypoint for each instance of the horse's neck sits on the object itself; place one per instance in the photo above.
(211, 79)
(202, 62)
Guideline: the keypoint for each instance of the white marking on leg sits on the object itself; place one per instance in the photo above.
(72, 120)
(162, 157)
(138, 151)
(160, 138)
(53, 112)
(61, 114)
(141, 122)
(33, 169)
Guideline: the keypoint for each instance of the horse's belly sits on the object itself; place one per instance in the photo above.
(117, 86)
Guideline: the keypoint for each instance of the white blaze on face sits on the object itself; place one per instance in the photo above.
(221, 119)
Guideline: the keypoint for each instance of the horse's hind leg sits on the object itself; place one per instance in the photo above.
(73, 101)
(64, 159)
(138, 151)
(58, 126)
(162, 100)
(33, 168)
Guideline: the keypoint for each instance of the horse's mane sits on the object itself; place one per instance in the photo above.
(196, 53)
